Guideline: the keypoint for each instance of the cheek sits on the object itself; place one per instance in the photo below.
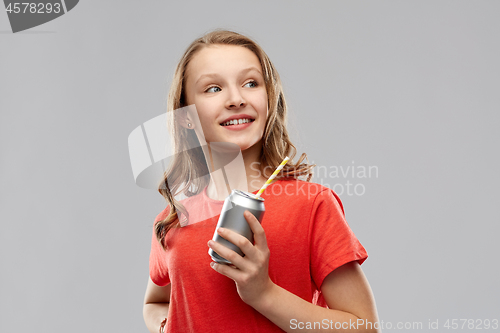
(206, 115)
(264, 107)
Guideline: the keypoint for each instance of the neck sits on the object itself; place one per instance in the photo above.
(229, 177)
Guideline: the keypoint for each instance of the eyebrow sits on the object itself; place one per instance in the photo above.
(214, 75)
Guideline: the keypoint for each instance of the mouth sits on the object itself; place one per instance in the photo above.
(234, 122)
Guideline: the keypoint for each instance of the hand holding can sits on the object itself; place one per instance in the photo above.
(232, 218)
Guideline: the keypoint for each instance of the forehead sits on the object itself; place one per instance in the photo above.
(221, 59)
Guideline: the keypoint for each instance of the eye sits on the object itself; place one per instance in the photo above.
(213, 89)
(252, 84)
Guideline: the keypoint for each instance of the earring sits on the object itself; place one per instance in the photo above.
(189, 125)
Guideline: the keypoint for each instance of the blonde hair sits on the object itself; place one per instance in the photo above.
(189, 165)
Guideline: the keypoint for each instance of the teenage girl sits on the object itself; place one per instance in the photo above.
(303, 271)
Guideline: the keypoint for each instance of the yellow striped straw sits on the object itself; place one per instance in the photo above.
(270, 180)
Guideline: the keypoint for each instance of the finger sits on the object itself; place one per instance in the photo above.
(227, 253)
(227, 270)
(240, 241)
(259, 234)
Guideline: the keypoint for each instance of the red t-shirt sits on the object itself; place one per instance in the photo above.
(307, 236)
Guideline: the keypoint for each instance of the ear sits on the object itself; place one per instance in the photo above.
(185, 120)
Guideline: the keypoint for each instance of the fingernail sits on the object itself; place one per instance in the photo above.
(210, 243)
(222, 230)
(212, 264)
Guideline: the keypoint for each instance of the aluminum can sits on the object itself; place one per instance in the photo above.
(232, 218)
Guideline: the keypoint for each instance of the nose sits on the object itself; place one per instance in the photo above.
(235, 99)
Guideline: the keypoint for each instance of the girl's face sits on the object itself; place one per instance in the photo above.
(226, 84)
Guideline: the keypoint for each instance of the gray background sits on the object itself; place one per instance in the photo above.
(410, 87)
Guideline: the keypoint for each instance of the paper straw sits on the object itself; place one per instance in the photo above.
(270, 180)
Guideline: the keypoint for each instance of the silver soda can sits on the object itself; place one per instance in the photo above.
(231, 217)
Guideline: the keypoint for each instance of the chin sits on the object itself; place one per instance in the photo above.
(242, 146)
(246, 146)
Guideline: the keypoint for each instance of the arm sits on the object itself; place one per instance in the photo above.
(345, 290)
(347, 294)
(156, 303)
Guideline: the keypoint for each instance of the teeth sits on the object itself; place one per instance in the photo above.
(236, 122)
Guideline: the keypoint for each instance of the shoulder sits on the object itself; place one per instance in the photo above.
(190, 203)
(163, 214)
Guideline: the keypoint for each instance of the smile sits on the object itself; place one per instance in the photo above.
(237, 122)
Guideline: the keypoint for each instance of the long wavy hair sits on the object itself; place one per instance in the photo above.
(189, 165)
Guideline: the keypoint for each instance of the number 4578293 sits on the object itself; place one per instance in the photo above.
(31, 7)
